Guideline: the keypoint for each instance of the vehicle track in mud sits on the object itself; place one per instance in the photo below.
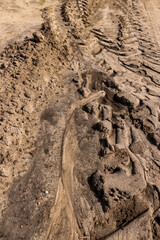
(111, 50)
(64, 198)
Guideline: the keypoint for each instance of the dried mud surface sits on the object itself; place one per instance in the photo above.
(80, 120)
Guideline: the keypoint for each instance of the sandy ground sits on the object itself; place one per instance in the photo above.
(79, 124)
(153, 12)
(20, 18)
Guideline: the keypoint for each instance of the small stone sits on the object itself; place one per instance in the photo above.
(27, 94)
(29, 108)
(46, 192)
(97, 50)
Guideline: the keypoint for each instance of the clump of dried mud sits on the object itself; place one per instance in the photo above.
(80, 131)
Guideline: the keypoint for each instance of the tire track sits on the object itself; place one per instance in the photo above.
(64, 198)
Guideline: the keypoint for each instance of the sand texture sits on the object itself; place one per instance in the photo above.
(80, 120)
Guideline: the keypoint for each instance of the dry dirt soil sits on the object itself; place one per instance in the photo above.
(80, 120)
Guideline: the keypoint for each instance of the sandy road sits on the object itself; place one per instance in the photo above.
(64, 196)
(153, 11)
